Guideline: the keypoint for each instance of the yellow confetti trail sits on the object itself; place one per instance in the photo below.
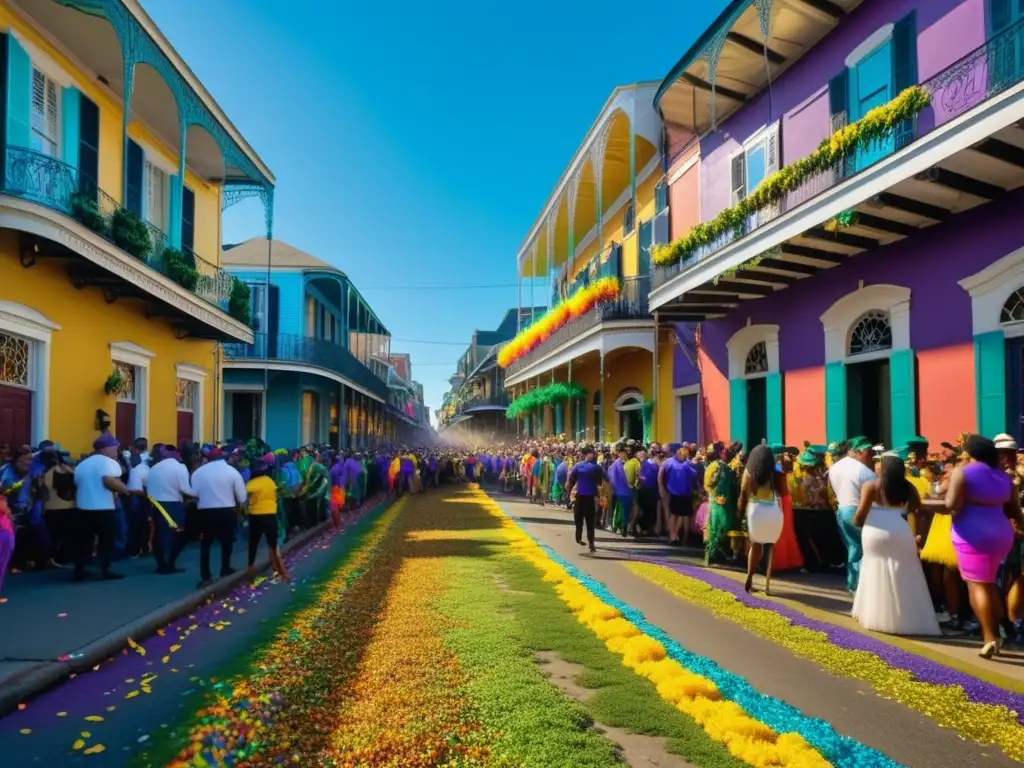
(725, 721)
(62, 714)
(136, 647)
(95, 750)
(131, 694)
(94, 719)
(25, 731)
(79, 743)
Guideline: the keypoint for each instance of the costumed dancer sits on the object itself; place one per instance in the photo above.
(262, 499)
(337, 499)
(623, 499)
(786, 552)
(6, 539)
(723, 492)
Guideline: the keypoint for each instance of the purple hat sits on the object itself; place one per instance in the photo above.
(106, 440)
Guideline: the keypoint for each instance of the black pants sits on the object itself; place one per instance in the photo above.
(90, 524)
(585, 511)
(219, 524)
(261, 526)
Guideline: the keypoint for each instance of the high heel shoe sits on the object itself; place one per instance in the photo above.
(750, 583)
(988, 650)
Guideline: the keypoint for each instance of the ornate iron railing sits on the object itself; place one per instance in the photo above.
(495, 400)
(293, 348)
(985, 72)
(60, 187)
(631, 305)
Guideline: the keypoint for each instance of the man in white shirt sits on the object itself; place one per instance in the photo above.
(168, 485)
(846, 477)
(220, 491)
(97, 479)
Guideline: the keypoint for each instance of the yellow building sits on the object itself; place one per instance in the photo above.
(111, 294)
(608, 208)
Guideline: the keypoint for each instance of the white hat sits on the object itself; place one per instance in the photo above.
(1005, 443)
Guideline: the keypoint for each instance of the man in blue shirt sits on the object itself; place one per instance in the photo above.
(586, 478)
(677, 479)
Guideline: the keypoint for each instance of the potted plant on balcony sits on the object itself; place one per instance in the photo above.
(86, 211)
(178, 266)
(238, 301)
(130, 233)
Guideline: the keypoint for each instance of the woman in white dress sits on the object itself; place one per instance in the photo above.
(760, 489)
(892, 594)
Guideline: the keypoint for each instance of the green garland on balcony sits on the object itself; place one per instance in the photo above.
(536, 399)
(846, 142)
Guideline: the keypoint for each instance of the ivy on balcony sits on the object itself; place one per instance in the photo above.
(876, 125)
(577, 305)
(536, 399)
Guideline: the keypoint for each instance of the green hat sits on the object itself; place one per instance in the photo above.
(779, 448)
(902, 451)
(915, 442)
(818, 450)
(859, 443)
(809, 459)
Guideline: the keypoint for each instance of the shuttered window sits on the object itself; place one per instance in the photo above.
(188, 218)
(758, 160)
(45, 114)
(88, 145)
(157, 184)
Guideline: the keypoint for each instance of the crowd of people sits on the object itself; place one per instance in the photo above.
(918, 535)
(141, 501)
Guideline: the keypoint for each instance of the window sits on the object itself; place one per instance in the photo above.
(871, 333)
(757, 359)
(258, 293)
(185, 395)
(127, 393)
(660, 196)
(310, 316)
(324, 319)
(45, 114)
(310, 418)
(1013, 309)
(629, 219)
(14, 360)
(157, 194)
(758, 160)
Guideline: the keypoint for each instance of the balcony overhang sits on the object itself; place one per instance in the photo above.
(251, 364)
(605, 337)
(93, 261)
(964, 163)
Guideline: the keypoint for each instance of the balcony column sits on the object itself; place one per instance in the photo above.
(177, 186)
(600, 406)
(574, 188)
(597, 163)
(632, 159)
(129, 80)
(570, 407)
(654, 381)
(549, 245)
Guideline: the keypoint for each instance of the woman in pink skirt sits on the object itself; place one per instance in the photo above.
(982, 500)
(6, 539)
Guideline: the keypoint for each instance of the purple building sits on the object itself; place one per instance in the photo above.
(881, 292)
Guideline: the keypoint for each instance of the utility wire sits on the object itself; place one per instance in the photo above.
(435, 287)
(423, 341)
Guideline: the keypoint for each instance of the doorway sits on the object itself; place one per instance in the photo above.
(1015, 388)
(631, 424)
(868, 401)
(757, 411)
(246, 410)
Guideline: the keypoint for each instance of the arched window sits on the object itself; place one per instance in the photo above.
(757, 359)
(871, 333)
(1013, 309)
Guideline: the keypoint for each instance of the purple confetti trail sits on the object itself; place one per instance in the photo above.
(90, 692)
(924, 669)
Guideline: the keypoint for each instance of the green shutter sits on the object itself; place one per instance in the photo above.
(19, 94)
(835, 402)
(903, 396)
(990, 377)
(904, 72)
(70, 126)
(773, 387)
(738, 411)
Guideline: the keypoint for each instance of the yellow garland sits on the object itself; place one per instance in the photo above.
(946, 705)
(724, 721)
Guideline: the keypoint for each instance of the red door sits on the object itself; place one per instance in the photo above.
(186, 420)
(15, 415)
(124, 423)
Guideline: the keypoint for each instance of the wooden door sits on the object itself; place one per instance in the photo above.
(124, 423)
(15, 415)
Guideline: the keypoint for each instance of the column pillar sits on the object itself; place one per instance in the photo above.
(654, 381)
(600, 408)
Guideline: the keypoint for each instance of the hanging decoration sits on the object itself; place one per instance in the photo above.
(577, 305)
(536, 399)
(846, 142)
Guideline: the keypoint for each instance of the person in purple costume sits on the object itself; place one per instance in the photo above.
(982, 500)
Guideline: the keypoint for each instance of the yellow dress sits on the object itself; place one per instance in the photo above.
(938, 547)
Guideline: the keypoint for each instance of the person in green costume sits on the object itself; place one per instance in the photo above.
(318, 483)
(723, 490)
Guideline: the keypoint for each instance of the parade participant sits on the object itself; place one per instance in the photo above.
(846, 476)
(631, 467)
(6, 539)
(169, 486)
(677, 478)
(584, 479)
(623, 501)
(723, 493)
(760, 488)
(220, 493)
(337, 499)
(262, 497)
(786, 554)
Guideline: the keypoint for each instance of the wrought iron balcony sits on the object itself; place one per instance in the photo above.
(631, 305)
(494, 401)
(293, 348)
(50, 182)
(985, 72)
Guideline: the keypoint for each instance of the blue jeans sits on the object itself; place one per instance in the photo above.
(851, 538)
(163, 534)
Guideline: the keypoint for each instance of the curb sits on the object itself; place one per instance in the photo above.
(46, 674)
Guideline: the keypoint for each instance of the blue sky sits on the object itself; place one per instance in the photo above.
(415, 143)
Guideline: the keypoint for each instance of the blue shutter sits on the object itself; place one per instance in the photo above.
(835, 402)
(990, 377)
(999, 14)
(133, 178)
(88, 145)
(174, 210)
(70, 125)
(19, 94)
(738, 411)
(773, 389)
(903, 396)
(904, 71)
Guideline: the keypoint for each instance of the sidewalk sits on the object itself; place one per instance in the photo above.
(51, 626)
